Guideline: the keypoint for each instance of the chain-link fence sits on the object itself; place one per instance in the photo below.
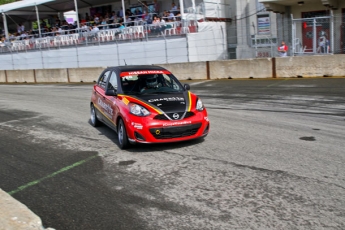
(311, 34)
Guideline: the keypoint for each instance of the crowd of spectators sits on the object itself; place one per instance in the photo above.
(97, 21)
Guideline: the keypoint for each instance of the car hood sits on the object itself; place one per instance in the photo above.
(168, 103)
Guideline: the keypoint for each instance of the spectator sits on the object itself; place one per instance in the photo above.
(120, 13)
(93, 33)
(282, 49)
(161, 20)
(173, 7)
(137, 12)
(23, 35)
(95, 29)
(84, 27)
(121, 27)
(113, 16)
(104, 24)
(57, 23)
(96, 19)
(20, 28)
(321, 42)
(171, 16)
(327, 45)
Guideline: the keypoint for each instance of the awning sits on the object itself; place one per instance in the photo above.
(28, 4)
(49, 6)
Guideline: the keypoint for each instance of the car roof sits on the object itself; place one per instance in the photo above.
(127, 68)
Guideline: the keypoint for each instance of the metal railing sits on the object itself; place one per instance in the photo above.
(110, 33)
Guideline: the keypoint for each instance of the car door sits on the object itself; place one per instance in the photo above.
(99, 95)
(111, 101)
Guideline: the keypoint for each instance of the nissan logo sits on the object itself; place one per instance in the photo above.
(176, 116)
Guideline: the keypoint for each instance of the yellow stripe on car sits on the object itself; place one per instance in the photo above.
(190, 101)
(125, 97)
(125, 100)
(99, 110)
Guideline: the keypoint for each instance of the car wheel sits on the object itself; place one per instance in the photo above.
(122, 135)
(94, 120)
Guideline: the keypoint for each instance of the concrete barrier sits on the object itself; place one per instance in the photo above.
(84, 74)
(187, 71)
(256, 68)
(51, 76)
(20, 76)
(15, 215)
(305, 66)
(2, 76)
(311, 66)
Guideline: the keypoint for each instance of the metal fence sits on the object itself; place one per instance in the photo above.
(312, 36)
(304, 36)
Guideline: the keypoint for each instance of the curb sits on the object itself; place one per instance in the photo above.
(16, 216)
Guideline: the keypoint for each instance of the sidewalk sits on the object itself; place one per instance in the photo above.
(16, 216)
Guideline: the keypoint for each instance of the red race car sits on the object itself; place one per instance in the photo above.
(147, 104)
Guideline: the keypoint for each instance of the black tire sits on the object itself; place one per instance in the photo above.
(122, 135)
(93, 118)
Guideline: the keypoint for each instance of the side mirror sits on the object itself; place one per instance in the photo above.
(110, 92)
(186, 86)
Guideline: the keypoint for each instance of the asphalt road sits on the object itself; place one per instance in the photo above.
(274, 159)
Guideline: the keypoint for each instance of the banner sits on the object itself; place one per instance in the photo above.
(264, 24)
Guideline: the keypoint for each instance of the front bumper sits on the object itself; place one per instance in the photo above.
(149, 130)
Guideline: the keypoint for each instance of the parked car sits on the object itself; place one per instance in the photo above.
(147, 104)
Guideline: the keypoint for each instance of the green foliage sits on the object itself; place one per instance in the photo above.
(3, 2)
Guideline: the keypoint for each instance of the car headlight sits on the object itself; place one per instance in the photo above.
(199, 105)
(138, 110)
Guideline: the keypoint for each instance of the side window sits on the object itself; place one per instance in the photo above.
(113, 81)
(102, 81)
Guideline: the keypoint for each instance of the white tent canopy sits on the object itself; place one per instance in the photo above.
(26, 9)
(7, 8)
(50, 6)
(21, 4)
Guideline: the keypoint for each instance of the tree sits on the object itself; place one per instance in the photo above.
(3, 2)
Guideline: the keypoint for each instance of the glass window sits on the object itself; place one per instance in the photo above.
(102, 81)
(112, 81)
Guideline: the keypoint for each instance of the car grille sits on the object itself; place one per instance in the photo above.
(175, 132)
(163, 117)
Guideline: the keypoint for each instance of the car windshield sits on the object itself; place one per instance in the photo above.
(149, 82)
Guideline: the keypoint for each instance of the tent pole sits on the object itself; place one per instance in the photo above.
(38, 21)
(76, 11)
(124, 11)
(181, 9)
(5, 26)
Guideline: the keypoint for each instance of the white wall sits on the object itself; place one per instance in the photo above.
(152, 52)
(210, 43)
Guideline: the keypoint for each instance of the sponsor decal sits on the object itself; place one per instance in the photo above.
(137, 125)
(177, 123)
(125, 100)
(107, 108)
(206, 118)
(166, 99)
(123, 74)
